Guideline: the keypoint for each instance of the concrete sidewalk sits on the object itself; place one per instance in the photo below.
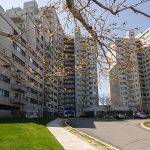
(68, 140)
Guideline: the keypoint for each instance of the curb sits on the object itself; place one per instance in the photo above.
(114, 148)
(144, 127)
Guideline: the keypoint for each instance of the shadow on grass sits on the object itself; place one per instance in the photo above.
(40, 121)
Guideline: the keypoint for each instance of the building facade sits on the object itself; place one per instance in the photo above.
(80, 67)
(128, 89)
(53, 62)
(145, 39)
(43, 72)
(29, 75)
(85, 75)
(69, 77)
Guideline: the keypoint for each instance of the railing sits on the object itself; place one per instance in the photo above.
(20, 101)
(18, 87)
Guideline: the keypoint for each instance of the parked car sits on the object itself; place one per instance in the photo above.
(101, 116)
(139, 116)
(120, 117)
(95, 117)
(109, 117)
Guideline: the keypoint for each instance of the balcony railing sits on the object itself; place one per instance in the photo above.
(17, 18)
(18, 87)
(46, 108)
(69, 96)
(20, 101)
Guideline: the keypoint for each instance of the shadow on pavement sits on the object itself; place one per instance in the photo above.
(88, 122)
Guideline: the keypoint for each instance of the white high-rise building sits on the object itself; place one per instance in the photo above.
(124, 87)
(86, 86)
(80, 65)
(129, 90)
(145, 39)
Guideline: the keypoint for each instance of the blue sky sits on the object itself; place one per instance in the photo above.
(132, 20)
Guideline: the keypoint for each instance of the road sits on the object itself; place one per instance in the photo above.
(124, 135)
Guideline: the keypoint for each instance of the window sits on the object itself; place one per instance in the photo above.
(31, 90)
(123, 93)
(17, 95)
(15, 32)
(91, 103)
(34, 63)
(22, 40)
(4, 78)
(37, 40)
(123, 88)
(122, 82)
(30, 59)
(122, 78)
(31, 100)
(18, 60)
(142, 85)
(16, 47)
(4, 93)
(42, 38)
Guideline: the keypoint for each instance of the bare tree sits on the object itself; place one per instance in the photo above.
(91, 16)
(105, 100)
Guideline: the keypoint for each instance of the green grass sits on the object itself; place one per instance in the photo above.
(147, 124)
(27, 134)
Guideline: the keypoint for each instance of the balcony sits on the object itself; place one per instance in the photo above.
(69, 50)
(68, 86)
(84, 89)
(68, 63)
(19, 75)
(20, 101)
(85, 85)
(69, 96)
(16, 18)
(46, 108)
(19, 87)
(69, 82)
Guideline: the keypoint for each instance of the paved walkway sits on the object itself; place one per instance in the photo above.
(68, 140)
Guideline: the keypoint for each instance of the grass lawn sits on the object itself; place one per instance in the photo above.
(27, 134)
(147, 124)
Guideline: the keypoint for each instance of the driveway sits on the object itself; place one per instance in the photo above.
(124, 135)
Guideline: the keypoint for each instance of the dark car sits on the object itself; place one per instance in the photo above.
(139, 116)
(120, 117)
(148, 116)
(108, 117)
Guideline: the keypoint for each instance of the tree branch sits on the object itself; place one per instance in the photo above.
(76, 13)
(132, 7)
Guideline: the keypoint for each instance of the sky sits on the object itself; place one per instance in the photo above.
(129, 17)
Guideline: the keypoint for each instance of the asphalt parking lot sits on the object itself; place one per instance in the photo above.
(124, 135)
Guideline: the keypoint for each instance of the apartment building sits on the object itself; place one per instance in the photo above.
(128, 89)
(29, 78)
(69, 77)
(80, 82)
(54, 90)
(39, 75)
(145, 39)
(85, 75)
